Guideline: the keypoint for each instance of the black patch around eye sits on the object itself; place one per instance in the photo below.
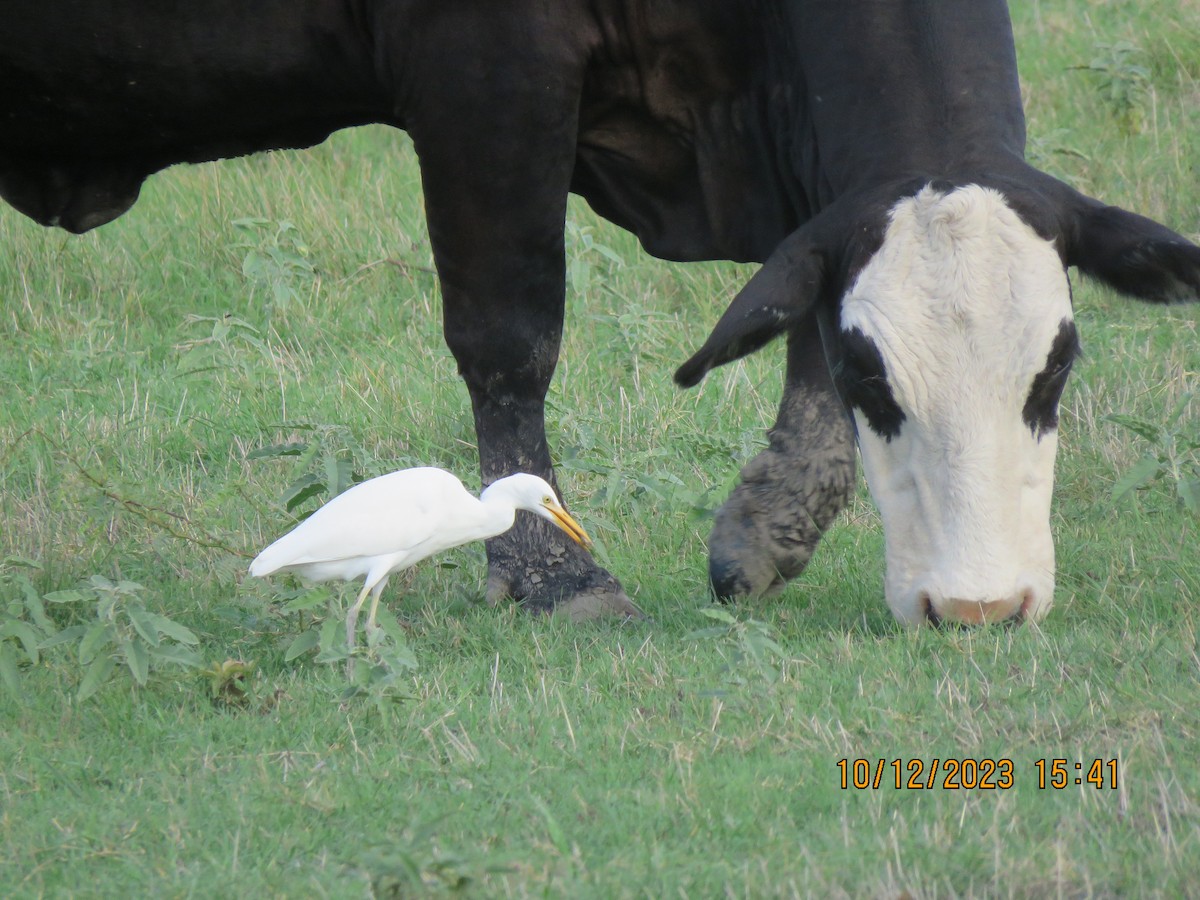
(1041, 406)
(862, 379)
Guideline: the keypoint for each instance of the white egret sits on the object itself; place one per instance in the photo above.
(391, 522)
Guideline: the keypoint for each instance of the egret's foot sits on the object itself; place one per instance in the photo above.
(766, 532)
(537, 565)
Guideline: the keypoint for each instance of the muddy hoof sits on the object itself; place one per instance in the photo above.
(576, 601)
(606, 601)
(746, 560)
(535, 565)
(768, 529)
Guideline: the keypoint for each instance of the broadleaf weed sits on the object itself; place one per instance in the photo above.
(121, 631)
(748, 646)
(276, 258)
(1173, 455)
(1123, 81)
(24, 624)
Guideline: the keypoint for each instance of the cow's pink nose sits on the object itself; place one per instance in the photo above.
(976, 612)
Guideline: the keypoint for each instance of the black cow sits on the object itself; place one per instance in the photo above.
(871, 154)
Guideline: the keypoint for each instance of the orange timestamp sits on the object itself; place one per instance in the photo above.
(971, 774)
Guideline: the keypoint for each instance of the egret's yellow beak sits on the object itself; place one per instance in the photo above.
(563, 520)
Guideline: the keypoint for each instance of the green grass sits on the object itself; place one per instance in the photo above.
(532, 757)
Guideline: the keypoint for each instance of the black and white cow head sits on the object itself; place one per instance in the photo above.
(947, 323)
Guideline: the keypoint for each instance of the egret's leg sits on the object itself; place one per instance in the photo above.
(375, 604)
(352, 616)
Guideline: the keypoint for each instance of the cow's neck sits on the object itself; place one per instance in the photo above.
(908, 88)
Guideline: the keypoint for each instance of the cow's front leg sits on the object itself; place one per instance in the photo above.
(504, 330)
(496, 178)
(506, 345)
(767, 530)
(507, 361)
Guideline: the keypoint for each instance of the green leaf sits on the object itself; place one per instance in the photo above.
(96, 675)
(137, 658)
(721, 615)
(761, 642)
(24, 633)
(33, 603)
(173, 653)
(21, 561)
(1148, 430)
(1185, 400)
(331, 642)
(553, 829)
(65, 636)
(330, 465)
(333, 654)
(257, 266)
(283, 294)
(8, 671)
(174, 630)
(307, 457)
(143, 624)
(301, 489)
(1189, 493)
(351, 691)
(308, 600)
(1139, 475)
(66, 596)
(97, 636)
(609, 254)
(100, 583)
(400, 656)
(345, 475)
(302, 644)
(293, 448)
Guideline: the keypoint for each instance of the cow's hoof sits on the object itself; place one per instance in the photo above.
(548, 574)
(575, 599)
(768, 529)
(601, 602)
(747, 555)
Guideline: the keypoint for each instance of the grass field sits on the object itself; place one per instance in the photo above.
(144, 364)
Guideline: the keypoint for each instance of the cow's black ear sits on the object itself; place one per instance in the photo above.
(1132, 254)
(779, 296)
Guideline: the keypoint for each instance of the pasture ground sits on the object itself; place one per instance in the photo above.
(690, 757)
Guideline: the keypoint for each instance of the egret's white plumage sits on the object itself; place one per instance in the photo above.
(391, 522)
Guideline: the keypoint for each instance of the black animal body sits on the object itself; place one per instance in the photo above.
(848, 145)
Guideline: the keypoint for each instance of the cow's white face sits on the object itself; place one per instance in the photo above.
(957, 337)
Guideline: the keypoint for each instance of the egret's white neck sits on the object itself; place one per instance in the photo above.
(497, 510)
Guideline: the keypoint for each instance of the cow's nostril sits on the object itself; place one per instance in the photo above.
(1028, 601)
(956, 611)
(925, 603)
